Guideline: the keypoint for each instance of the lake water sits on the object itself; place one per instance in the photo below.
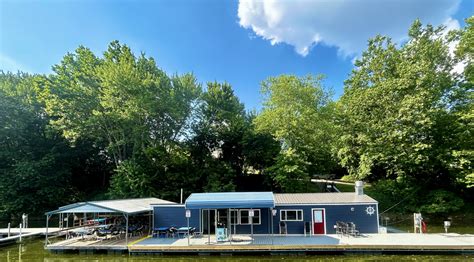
(32, 250)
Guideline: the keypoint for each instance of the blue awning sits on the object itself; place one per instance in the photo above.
(230, 200)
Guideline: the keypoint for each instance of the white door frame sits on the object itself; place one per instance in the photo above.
(312, 219)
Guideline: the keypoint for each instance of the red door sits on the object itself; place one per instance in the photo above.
(318, 221)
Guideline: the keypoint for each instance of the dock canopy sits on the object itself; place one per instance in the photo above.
(230, 200)
(125, 206)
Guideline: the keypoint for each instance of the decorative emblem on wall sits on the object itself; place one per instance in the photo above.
(370, 210)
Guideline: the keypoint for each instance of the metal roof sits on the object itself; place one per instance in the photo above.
(127, 206)
(230, 200)
(322, 198)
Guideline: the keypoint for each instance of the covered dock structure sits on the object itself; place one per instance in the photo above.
(96, 221)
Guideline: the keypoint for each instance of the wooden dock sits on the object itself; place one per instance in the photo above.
(25, 233)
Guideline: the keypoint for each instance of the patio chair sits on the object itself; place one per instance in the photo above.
(353, 230)
(172, 232)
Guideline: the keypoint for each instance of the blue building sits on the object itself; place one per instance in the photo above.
(271, 213)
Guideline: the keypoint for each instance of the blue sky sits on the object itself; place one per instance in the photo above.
(241, 42)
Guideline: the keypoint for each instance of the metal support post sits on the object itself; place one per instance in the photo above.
(209, 226)
(21, 226)
(229, 226)
(188, 230)
(126, 229)
(46, 235)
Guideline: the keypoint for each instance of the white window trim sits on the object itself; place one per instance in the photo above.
(259, 217)
(292, 220)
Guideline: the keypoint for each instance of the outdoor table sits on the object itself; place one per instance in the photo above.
(162, 231)
(184, 231)
(81, 232)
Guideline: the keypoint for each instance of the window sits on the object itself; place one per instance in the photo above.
(318, 216)
(291, 215)
(244, 218)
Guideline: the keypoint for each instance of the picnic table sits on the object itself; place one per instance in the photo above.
(185, 230)
(161, 231)
(81, 232)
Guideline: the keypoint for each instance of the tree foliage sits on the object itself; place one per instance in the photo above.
(38, 169)
(299, 113)
(118, 126)
(403, 113)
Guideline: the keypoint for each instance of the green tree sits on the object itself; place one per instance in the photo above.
(464, 151)
(400, 112)
(126, 104)
(38, 169)
(299, 113)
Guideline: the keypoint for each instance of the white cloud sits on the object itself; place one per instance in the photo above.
(9, 64)
(344, 24)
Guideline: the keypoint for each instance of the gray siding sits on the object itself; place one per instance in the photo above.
(165, 216)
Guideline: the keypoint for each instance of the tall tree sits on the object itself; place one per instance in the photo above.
(400, 115)
(298, 112)
(464, 150)
(216, 146)
(125, 103)
(38, 169)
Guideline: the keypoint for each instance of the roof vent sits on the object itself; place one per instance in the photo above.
(359, 188)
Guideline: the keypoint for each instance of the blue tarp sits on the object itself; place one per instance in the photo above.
(230, 200)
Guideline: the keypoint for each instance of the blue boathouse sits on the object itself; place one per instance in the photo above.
(270, 213)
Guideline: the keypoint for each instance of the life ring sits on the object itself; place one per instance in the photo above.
(423, 227)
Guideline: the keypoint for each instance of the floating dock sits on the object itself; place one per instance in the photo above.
(25, 233)
(327, 244)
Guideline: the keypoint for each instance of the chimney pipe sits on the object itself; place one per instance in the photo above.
(359, 188)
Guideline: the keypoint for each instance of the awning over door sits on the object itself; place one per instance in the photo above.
(230, 200)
